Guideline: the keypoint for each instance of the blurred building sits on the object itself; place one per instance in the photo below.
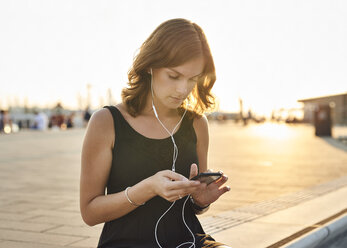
(337, 104)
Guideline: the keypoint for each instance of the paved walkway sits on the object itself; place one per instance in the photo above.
(39, 175)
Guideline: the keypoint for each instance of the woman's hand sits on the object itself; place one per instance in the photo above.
(173, 186)
(209, 193)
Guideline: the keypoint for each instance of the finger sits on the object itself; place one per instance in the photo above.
(224, 190)
(174, 176)
(177, 194)
(193, 171)
(177, 197)
(221, 191)
(181, 193)
(171, 199)
(184, 185)
(222, 180)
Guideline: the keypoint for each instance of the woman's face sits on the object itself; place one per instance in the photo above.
(172, 85)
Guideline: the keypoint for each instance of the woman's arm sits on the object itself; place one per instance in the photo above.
(200, 125)
(213, 191)
(95, 167)
(95, 206)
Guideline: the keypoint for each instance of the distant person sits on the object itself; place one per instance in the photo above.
(40, 121)
(145, 149)
(2, 123)
(70, 121)
(57, 118)
(5, 122)
(86, 116)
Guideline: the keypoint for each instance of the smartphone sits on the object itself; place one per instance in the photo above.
(208, 177)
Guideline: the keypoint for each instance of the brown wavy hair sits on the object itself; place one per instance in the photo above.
(171, 44)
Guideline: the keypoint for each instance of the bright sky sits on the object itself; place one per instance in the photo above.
(269, 53)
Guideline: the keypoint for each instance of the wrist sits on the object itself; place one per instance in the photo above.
(199, 208)
(130, 201)
(150, 188)
(198, 203)
(138, 194)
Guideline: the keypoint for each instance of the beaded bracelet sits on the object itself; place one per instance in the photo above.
(130, 201)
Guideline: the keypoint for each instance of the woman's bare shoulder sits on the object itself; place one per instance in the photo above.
(101, 117)
(101, 124)
(200, 123)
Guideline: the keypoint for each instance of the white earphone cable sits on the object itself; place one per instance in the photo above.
(175, 155)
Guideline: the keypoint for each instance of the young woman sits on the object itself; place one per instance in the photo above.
(145, 150)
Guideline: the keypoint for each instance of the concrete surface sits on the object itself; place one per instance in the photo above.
(39, 190)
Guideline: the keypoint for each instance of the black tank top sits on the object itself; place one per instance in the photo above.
(135, 158)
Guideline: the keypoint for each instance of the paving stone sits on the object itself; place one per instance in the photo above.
(14, 216)
(71, 221)
(71, 208)
(42, 238)
(18, 208)
(94, 231)
(56, 213)
(16, 244)
(24, 226)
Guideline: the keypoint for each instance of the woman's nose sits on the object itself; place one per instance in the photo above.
(182, 87)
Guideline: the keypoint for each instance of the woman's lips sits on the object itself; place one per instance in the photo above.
(177, 99)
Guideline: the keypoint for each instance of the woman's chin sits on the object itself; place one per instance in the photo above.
(176, 102)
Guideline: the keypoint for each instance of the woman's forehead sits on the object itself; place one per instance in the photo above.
(191, 68)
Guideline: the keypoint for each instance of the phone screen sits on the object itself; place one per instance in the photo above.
(208, 177)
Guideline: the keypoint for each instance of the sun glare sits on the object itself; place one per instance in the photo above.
(7, 129)
(273, 131)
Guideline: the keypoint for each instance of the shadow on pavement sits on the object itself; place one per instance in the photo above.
(335, 143)
(339, 242)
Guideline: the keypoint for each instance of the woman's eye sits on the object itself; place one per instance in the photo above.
(173, 77)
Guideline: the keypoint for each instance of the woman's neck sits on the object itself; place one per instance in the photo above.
(162, 111)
